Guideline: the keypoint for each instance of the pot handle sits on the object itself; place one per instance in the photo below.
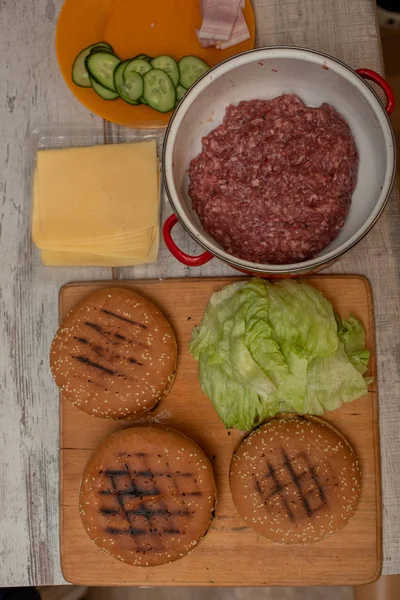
(185, 259)
(383, 84)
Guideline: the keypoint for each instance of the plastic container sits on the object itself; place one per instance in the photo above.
(72, 136)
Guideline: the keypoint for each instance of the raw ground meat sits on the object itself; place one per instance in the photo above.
(273, 183)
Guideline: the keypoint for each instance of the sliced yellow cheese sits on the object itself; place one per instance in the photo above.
(120, 240)
(71, 259)
(94, 193)
(98, 205)
(99, 248)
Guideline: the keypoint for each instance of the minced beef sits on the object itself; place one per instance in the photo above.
(273, 183)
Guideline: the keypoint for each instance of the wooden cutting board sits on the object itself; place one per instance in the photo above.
(231, 554)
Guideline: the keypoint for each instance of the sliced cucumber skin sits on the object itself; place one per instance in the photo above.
(145, 57)
(168, 64)
(190, 69)
(103, 92)
(163, 100)
(115, 78)
(119, 75)
(133, 85)
(128, 100)
(93, 65)
(120, 83)
(104, 45)
(138, 65)
(180, 92)
(79, 74)
(102, 49)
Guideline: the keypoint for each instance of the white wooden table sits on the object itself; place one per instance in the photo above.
(32, 93)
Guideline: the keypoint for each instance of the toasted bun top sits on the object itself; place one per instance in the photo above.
(295, 479)
(114, 354)
(147, 495)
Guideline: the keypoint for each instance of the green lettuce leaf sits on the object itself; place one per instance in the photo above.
(352, 335)
(331, 382)
(264, 348)
(237, 406)
(219, 309)
(302, 319)
(292, 391)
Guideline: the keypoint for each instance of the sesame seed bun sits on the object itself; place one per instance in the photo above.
(295, 480)
(147, 495)
(114, 354)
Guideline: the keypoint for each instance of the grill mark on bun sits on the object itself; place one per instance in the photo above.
(95, 326)
(81, 340)
(142, 511)
(315, 478)
(113, 314)
(171, 531)
(132, 493)
(90, 363)
(297, 480)
(136, 491)
(145, 474)
(110, 334)
(109, 511)
(306, 475)
(130, 531)
(101, 350)
(133, 361)
(279, 488)
(127, 342)
(137, 506)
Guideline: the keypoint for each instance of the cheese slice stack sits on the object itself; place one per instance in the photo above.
(97, 206)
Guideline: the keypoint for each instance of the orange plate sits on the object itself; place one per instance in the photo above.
(134, 27)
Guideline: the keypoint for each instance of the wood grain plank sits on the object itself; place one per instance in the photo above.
(32, 94)
(355, 551)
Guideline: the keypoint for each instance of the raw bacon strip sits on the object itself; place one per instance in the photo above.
(240, 33)
(215, 9)
(219, 18)
(204, 42)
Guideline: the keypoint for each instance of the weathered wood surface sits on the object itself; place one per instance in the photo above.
(32, 93)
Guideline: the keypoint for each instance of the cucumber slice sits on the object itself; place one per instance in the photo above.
(138, 65)
(143, 101)
(80, 76)
(190, 69)
(143, 57)
(180, 92)
(132, 86)
(120, 85)
(159, 91)
(167, 64)
(102, 49)
(101, 66)
(119, 75)
(105, 44)
(102, 91)
(119, 78)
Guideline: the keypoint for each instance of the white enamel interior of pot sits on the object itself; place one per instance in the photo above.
(267, 73)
